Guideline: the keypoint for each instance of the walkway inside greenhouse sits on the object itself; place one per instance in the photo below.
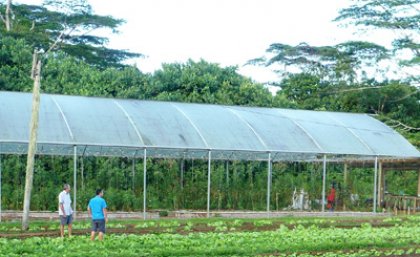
(184, 214)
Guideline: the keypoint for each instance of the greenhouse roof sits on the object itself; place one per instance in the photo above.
(117, 127)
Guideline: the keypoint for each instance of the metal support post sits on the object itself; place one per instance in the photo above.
(82, 173)
(324, 179)
(133, 171)
(0, 187)
(74, 180)
(144, 182)
(208, 185)
(268, 183)
(375, 182)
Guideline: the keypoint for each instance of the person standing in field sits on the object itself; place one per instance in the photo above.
(97, 211)
(64, 210)
(331, 199)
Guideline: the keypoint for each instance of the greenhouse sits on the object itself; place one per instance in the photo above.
(88, 126)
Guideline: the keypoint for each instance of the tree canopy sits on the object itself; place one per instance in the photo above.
(70, 32)
(401, 17)
(341, 63)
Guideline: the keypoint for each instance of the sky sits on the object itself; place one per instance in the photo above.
(227, 32)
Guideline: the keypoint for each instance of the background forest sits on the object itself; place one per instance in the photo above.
(348, 77)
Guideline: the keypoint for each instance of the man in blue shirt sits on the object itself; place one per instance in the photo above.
(97, 210)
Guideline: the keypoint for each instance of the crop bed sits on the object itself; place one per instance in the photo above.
(398, 236)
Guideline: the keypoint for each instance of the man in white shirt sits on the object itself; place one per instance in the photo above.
(64, 209)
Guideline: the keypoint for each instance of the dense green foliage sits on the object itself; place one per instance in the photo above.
(44, 28)
(330, 78)
(242, 186)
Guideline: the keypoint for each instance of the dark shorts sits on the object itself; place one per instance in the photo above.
(98, 225)
(67, 220)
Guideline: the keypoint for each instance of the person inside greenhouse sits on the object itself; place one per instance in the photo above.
(331, 198)
(97, 211)
(64, 210)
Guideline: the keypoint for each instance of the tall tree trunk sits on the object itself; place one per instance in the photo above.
(6, 18)
(7, 14)
(32, 141)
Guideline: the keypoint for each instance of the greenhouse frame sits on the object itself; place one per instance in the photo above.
(92, 126)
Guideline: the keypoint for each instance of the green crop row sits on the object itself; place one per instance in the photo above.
(282, 241)
(357, 253)
(217, 224)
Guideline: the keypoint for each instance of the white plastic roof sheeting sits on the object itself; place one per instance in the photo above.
(117, 127)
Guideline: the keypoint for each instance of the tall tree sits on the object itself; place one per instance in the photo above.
(341, 63)
(41, 26)
(402, 17)
(8, 15)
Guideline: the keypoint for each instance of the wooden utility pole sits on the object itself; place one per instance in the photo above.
(33, 132)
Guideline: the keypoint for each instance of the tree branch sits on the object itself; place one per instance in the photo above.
(2, 18)
(59, 39)
(399, 124)
(355, 89)
(405, 97)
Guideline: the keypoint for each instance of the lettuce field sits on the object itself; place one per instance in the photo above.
(396, 236)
